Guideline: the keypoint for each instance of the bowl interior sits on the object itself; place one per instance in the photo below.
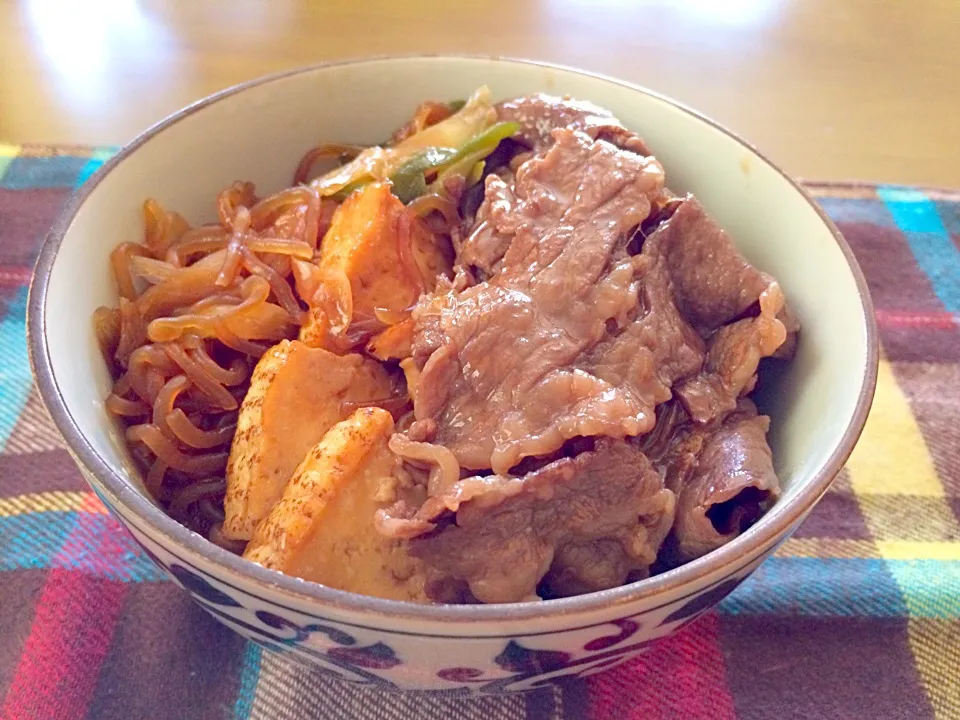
(260, 132)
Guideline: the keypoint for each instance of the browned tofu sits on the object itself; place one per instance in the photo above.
(363, 243)
(394, 343)
(323, 527)
(296, 395)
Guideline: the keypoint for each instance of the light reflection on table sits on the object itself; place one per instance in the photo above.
(859, 88)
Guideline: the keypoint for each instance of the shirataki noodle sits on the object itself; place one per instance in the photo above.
(198, 306)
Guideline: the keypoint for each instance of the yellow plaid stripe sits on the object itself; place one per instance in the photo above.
(919, 550)
(936, 648)
(842, 548)
(56, 501)
(7, 154)
(52, 151)
(903, 502)
(838, 548)
(891, 457)
(841, 190)
(34, 431)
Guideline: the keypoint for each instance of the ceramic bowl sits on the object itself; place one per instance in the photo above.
(258, 131)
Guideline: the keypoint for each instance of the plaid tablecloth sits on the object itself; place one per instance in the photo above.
(858, 616)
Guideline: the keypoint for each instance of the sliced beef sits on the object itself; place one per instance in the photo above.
(506, 363)
(539, 115)
(576, 525)
(485, 246)
(712, 282)
(656, 346)
(791, 323)
(733, 356)
(588, 369)
(723, 478)
(739, 310)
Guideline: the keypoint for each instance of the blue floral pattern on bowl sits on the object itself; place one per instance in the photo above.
(397, 661)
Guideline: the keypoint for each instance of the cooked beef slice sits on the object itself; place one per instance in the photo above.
(539, 115)
(712, 282)
(500, 373)
(577, 314)
(723, 478)
(577, 524)
(733, 356)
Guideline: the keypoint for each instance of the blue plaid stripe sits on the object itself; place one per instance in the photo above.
(248, 682)
(58, 170)
(15, 376)
(918, 218)
(73, 540)
(32, 540)
(823, 587)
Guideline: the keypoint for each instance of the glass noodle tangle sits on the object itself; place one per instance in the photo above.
(198, 307)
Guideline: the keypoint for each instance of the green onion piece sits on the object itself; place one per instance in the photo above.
(347, 190)
(408, 179)
(476, 173)
(487, 141)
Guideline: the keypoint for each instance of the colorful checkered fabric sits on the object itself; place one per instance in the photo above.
(857, 616)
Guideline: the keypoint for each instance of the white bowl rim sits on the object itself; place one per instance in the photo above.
(772, 526)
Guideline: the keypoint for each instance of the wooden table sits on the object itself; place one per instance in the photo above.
(831, 89)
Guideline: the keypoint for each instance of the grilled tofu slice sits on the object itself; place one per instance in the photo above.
(388, 259)
(394, 343)
(378, 255)
(323, 528)
(296, 395)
